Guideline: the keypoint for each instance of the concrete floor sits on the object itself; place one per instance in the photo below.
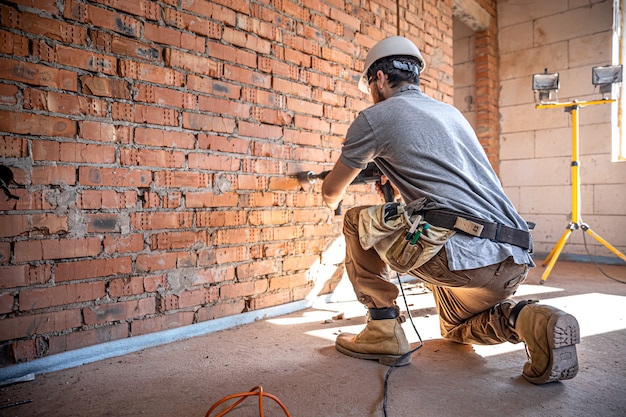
(293, 358)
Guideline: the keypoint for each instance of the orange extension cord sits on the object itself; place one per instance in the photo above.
(258, 390)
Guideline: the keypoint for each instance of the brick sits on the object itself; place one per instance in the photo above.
(214, 162)
(248, 77)
(15, 276)
(251, 182)
(242, 289)
(247, 41)
(235, 236)
(231, 54)
(5, 252)
(155, 262)
(181, 179)
(196, 24)
(152, 158)
(205, 122)
(133, 48)
(162, 138)
(216, 274)
(142, 8)
(257, 130)
(271, 249)
(292, 88)
(86, 60)
(161, 220)
(269, 217)
(106, 199)
(232, 254)
(195, 297)
(299, 263)
(150, 73)
(60, 295)
(282, 233)
(227, 107)
(311, 123)
(220, 218)
(144, 114)
(153, 283)
(64, 103)
(37, 74)
(54, 175)
(24, 350)
(302, 138)
(159, 323)
(114, 177)
(69, 248)
(214, 87)
(13, 44)
(178, 240)
(194, 63)
(6, 303)
(76, 340)
(271, 116)
(270, 300)
(72, 152)
(119, 311)
(226, 15)
(94, 268)
(257, 269)
(51, 28)
(47, 224)
(164, 96)
(223, 144)
(116, 22)
(14, 225)
(124, 287)
(169, 36)
(8, 94)
(263, 166)
(220, 310)
(104, 132)
(32, 324)
(36, 124)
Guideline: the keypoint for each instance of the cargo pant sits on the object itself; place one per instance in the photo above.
(473, 305)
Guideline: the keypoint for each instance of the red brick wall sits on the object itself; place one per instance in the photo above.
(154, 145)
(488, 86)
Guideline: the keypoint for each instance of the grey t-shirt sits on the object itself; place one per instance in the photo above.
(428, 149)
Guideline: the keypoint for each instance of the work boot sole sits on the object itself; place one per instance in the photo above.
(563, 335)
(387, 360)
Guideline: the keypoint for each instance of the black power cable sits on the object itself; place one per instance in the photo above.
(584, 228)
(401, 358)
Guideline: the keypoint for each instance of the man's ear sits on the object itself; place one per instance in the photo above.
(380, 78)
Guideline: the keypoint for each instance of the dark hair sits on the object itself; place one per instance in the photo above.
(399, 68)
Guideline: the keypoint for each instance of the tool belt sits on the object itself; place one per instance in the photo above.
(474, 226)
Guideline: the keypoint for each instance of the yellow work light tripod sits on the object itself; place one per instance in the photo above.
(576, 221)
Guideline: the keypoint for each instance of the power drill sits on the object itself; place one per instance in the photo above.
(370, 174)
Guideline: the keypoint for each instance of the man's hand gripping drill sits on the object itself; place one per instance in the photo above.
(371, 174)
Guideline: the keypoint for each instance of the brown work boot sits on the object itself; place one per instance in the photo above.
(551, 336)
(383, 339)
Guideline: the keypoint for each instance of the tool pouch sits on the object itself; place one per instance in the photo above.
(398, 240)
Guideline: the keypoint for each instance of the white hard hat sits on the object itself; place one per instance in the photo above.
(394, 45)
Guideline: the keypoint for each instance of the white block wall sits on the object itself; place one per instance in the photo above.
(569, 37)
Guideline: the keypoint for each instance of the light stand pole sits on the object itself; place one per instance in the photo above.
(576, 220)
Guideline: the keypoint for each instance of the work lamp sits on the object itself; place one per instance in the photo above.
(546, 84)
(605, 77)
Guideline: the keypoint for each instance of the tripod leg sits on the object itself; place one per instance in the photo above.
(604, 242)
(554, 254)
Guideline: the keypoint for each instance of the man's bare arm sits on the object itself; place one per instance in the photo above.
(336, 182)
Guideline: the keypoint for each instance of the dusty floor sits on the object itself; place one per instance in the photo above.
(293, 358)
